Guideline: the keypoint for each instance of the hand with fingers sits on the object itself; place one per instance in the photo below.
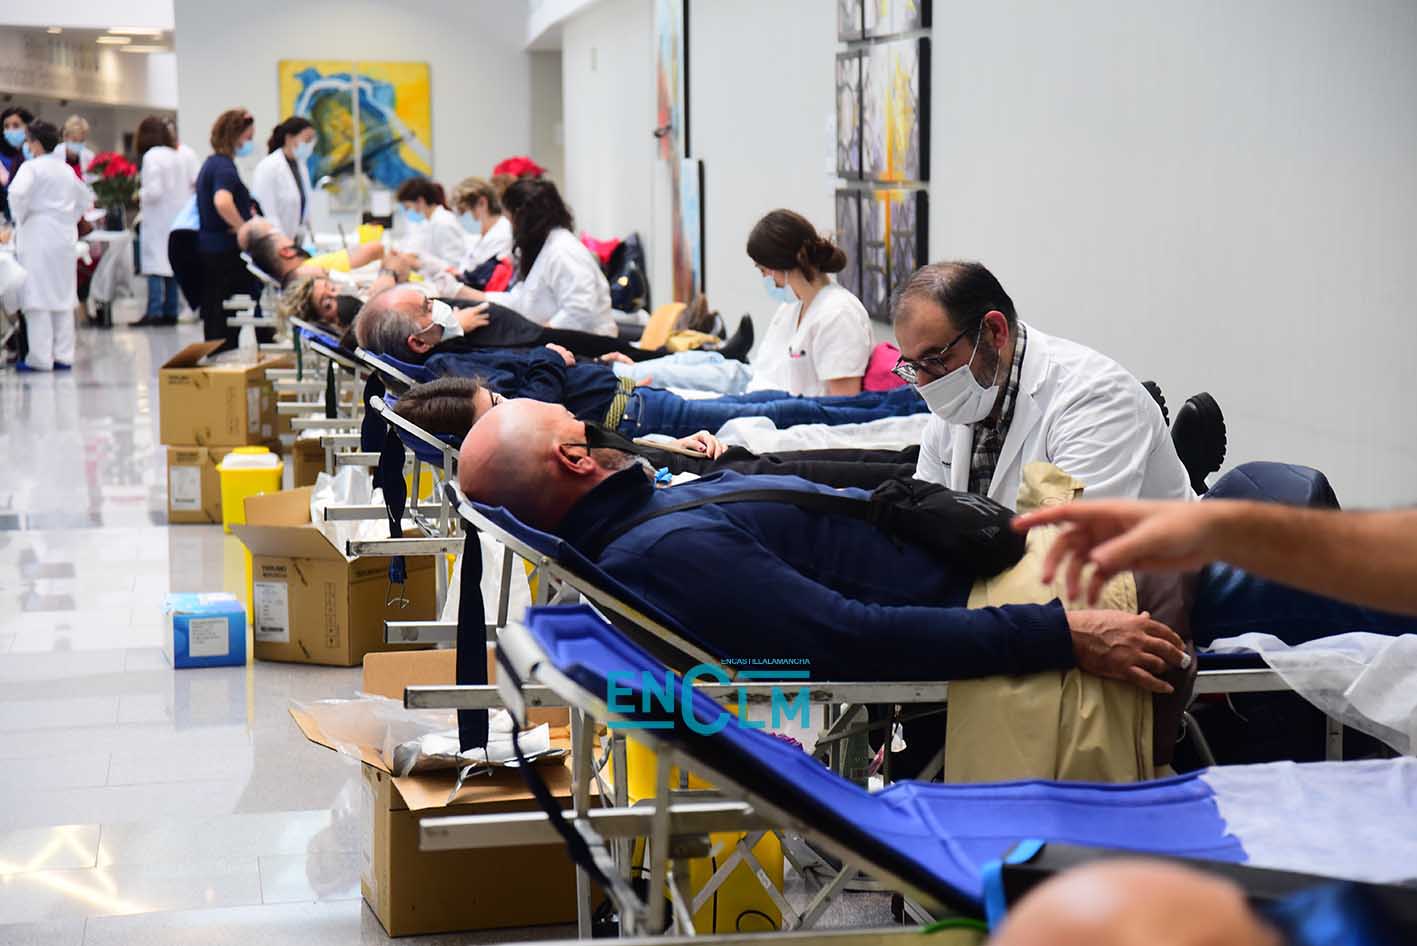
(1129, 647)
(1121, 535)
(616, 358)
(473, 318)
(565, 354)
(703, 442)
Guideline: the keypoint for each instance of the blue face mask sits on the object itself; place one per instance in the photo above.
(243, 149)
(780, 293)
(304, 149)
(413, 216)
(15, 137)
(469, 223)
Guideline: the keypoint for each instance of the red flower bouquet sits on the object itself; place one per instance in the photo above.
(115, 179)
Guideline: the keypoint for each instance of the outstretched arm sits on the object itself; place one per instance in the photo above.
(1368, 558)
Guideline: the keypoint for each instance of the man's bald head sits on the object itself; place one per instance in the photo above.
(1127, 902)
(530, 456)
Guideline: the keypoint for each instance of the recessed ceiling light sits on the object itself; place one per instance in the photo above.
(55, 29)
(114, 40)
(142, 48)
(133, 31)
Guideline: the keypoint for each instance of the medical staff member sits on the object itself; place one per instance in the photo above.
(819, 340)
(13, 120)
(76, 136)
(559, 283)
(489, 231)
(281, 182)
(223, 204)
(435, 237)
(1004, 394)
(47, 200)
(165, 188)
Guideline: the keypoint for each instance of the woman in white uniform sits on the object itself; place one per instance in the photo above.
(559, 283)
(47, 200)
(489, 231)
(819, 340)
(436, 237)
(281, 182)
(166, 187)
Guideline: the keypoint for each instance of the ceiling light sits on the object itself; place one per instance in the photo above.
(142, 48)
(114, 40)
(133, 31)
(55, 29)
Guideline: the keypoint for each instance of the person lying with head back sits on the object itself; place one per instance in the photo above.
(453, 405)
(276, 254)
(773, 580)
(406, 325)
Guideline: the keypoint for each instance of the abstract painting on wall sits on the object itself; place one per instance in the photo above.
(393, 136)
(671, 79)
(894, 225)
(848, 237)
(895, 112)
(889, 17)
(848, 115)
(850, 19)
(689, 232)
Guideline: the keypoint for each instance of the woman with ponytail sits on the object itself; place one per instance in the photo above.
(281, 183)
(819, 340)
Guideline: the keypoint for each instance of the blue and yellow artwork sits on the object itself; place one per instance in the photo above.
(394, 132)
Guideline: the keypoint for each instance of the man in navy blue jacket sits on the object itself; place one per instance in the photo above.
(766, 581)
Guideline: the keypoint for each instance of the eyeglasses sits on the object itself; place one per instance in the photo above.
(909, 371)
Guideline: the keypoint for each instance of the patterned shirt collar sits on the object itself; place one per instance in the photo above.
(990, 433)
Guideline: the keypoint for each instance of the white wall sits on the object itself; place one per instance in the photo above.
(547, 126)
(760, 95)
(607, 74)
(1219, 194)
(479, 74)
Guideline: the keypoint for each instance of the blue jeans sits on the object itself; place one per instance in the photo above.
(653, 411)
(162, 297)
(1230, 601)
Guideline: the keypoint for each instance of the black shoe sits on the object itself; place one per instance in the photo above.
(741, 343)
(1199, 436)
(1154, 390)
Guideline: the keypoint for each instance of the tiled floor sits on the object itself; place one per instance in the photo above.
(139, 804)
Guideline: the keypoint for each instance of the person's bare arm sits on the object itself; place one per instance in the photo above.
(225, 206)
(843, 387)
(1368, 558)
(365, 253)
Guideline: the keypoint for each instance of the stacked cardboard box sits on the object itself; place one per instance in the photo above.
(206, 407)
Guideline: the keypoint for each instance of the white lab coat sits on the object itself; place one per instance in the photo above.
(190, 162)
(1078, 410)
(276, 190)
(440, 241)
(565, 288)
(494, 244)
(833, 340)
(47, 200)
(165, 189)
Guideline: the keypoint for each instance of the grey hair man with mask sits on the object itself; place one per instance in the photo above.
(1003, 394)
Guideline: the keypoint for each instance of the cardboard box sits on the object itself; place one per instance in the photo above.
(387, 674)
(193, 486)
(311, 603)
(416, 893)
(204, 630)
(220, 403)
(307, 461)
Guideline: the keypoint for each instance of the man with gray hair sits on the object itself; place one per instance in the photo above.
(1004, 394)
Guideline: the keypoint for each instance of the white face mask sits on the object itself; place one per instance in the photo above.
(782, 293)
(443, 315)
(958, 397)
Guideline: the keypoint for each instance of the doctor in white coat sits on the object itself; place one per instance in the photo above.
(559, 283)
(47, 199)
(1004, 394)
(281, 182)
(166, 189)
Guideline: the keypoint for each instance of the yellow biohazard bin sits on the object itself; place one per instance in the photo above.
(245, 472)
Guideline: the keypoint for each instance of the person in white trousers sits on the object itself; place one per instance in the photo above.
(47, 199)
